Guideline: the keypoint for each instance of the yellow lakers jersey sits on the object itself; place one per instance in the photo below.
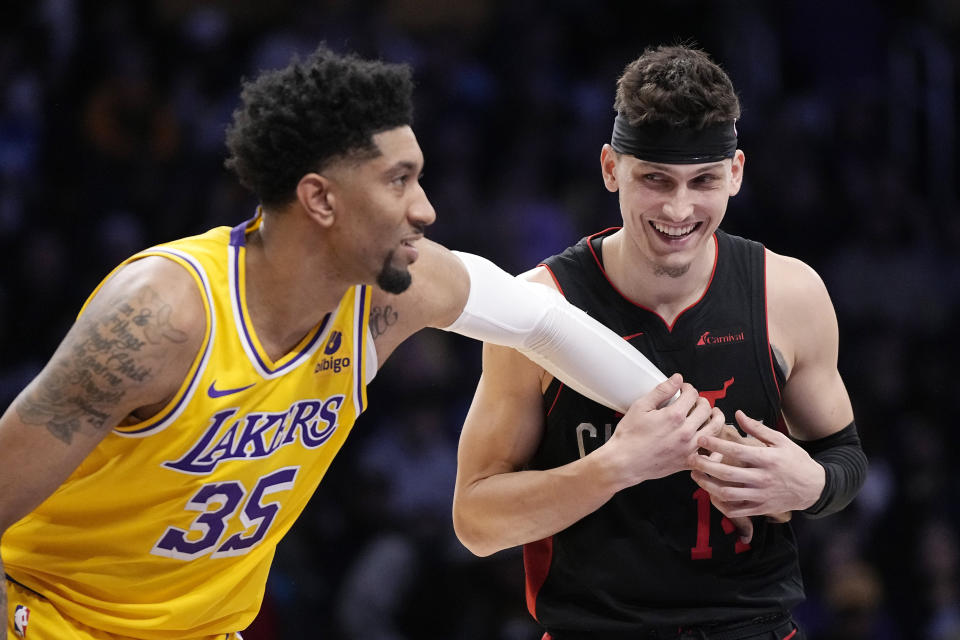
(168, 529)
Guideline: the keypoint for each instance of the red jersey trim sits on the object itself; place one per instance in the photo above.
(536, 565)
(781, 421)
(713, 272)
(555, 398)
(554, 276)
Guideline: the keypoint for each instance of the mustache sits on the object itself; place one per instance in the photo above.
(420, 228)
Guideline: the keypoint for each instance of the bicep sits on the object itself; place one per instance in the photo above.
(436, 296)
(130, 348)
(815, 401)
(505, 423)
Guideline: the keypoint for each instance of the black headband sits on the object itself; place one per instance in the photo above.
(674, 145)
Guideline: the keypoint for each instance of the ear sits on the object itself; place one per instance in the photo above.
(608, 168)
(314, 193)
(736, 172)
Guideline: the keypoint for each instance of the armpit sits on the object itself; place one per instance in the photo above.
(780, 361)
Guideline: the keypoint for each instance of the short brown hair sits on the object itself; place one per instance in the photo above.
(679, 86)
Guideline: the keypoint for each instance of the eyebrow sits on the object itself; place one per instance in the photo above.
(667, 168)
(406, 165)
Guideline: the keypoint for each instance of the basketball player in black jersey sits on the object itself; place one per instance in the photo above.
(633, 531)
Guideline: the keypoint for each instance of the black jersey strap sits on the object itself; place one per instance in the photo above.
(23, 586)
(845, 465)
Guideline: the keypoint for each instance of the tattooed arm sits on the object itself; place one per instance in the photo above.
(435, 298)
(123, 359)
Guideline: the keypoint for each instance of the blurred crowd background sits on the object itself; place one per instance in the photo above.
(112, 116)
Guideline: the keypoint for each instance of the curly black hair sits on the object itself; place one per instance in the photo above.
(676, 85)
(300, 118)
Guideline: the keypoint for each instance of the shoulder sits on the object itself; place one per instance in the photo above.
(153, 287)
(800, 314)
(154, 316)
(794, 285)
(129, 349)
(542, 275)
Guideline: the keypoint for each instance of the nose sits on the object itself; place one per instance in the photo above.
(421, 212)
(679, 206)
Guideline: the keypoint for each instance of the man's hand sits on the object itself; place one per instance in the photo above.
(743, 524)
(653, 440)
(765, 474)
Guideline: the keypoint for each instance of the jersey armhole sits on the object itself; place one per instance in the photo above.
(172, 410)
(773, 378)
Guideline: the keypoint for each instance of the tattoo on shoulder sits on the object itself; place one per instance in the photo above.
(781, 361)
(98, 364)
(381, 319)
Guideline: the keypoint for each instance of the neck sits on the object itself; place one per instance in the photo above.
(290, 286)
(666, 291)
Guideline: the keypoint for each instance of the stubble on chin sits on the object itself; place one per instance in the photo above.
(671, 272)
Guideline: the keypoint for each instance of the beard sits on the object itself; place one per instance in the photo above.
(671, 272)
(392, 279)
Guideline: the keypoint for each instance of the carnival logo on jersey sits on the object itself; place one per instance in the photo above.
(332, 364)
(710, 339)
(21, 618)
(259, 435)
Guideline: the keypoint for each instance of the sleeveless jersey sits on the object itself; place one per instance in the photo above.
(168, 528)
(659, 553)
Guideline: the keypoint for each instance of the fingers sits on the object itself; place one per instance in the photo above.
(715, 426)
(757, 429)
(734, 453)
(722, 471)
(660, 394)
(686, 405)
(729, 432)
(744, 528)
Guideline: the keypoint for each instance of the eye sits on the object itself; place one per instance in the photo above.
(706, 180)
(657, 180)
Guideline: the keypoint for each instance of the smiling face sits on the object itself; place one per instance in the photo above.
(381, 210)
(670, 211)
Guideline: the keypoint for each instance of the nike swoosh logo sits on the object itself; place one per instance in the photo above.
(213, 392)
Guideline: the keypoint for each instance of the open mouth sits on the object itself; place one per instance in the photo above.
(675, 232)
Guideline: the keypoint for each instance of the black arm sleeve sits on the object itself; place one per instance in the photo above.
(845, 464)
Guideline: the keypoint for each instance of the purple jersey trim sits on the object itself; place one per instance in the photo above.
(360, 339)
(238, 240)
(191, 387)
(238, 235)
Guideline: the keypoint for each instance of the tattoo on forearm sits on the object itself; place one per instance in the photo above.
(381, 319)
(103, 359)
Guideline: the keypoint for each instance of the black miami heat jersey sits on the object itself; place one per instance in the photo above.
(659, 553)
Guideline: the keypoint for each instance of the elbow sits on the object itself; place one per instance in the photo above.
(471, 535)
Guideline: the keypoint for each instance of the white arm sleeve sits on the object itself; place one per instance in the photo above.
(538, 321)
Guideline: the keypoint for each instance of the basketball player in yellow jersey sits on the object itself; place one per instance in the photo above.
(150, 469)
